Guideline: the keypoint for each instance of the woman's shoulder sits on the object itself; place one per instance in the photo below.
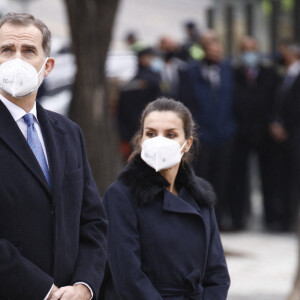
(117, 187)
(118, 195)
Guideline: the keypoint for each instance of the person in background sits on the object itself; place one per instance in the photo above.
(52, 221)
(254, 97)
(207, 89)
(285, 131)
(191, 49)
(163, 239)
(133, 43)
(169, 50)
(135, 94)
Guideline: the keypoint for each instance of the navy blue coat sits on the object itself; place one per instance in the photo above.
(212, 108)
(48, 235)
(163, 246)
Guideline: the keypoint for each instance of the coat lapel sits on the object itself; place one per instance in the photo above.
(177, 204)
(15, 140)
(182, 204)
(54, 138)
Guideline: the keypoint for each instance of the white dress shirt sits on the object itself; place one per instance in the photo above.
(18, 113)
(293, 69)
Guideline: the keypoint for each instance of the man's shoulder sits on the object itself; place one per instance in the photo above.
(61, 120)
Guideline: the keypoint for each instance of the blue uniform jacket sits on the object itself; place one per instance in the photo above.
(163, 246)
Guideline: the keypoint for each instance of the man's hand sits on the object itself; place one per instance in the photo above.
(75, 292)
(53, 290)
(278, 132)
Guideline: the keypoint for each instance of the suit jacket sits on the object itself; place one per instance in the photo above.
(253, 103)
(134, 96)
(163, 246)
(287, 109)
(211, 107)
(48, 235)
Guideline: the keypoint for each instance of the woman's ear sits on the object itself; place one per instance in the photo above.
(189, 143)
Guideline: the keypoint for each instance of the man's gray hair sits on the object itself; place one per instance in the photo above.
(23, 19)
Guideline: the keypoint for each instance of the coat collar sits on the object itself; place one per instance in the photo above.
(146, 185)
(181, 203)
(53, 137)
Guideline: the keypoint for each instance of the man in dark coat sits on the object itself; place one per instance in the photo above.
(285, 130)
(207, 90)
(134, 96)
(254, 97)
(52, 222)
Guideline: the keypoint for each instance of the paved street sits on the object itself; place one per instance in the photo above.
(261, 265)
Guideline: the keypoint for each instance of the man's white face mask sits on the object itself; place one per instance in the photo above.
(161, 153)
(19, 78)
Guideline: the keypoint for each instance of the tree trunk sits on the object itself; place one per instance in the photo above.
(91, 23)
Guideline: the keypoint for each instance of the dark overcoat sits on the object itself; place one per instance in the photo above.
(253, 103)
(287, 109)
(163, 246)
(134, 96)
(48, 235)
(211, 107)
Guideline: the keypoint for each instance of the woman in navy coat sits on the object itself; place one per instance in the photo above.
(163, 239)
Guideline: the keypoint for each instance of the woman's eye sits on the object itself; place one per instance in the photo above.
(171, 135)
(150, 134)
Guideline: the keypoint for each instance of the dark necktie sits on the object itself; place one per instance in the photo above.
(36, 146)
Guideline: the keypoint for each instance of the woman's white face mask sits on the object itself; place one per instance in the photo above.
(19, 78)
(161, 153)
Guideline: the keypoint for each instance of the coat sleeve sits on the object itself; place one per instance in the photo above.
(93, 231)
(27, 281)
(124, 247)
(216, 280)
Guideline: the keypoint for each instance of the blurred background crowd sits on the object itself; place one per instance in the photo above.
(243, 105)
(242, 87)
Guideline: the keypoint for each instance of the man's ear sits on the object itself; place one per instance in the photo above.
(49, 66)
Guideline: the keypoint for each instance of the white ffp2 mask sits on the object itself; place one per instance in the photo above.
(161, 153)
(19, 78)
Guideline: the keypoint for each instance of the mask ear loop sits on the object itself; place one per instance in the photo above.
(38, 74)
(183, 147)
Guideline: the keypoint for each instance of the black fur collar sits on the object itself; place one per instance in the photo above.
(146, 184)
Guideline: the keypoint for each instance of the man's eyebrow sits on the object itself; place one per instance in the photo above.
(29, 46)
(7, 46)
